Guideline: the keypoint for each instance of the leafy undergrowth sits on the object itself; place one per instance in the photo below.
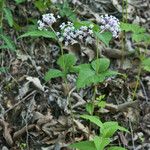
(72, 78)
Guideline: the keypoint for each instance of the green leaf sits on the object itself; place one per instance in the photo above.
(131, 27)
(42, 5)
(85, 76)
(53, 73)
(3, 69)
(38, 33)
(100, 142)
(116, 148)
(93, 119)
(141, 37)
(19, 1)
(84, 145)
(146, 64)
(8, 42)
(102, 104)
(105, 37)
(90, 108)
(109, 128)
(66, 62)
(9, 16)
(100, 65)
(66, 11)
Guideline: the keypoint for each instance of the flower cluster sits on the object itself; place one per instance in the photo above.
(47, 20)
(111, 24)
(85, 34)
(70, 34)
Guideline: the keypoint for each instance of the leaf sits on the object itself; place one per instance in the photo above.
(100, 65)
(42, 5)
(141, 37)
(100, 142)
(9, 16)
(131, 27)
(93, 119)
(116, 148)
(102, 104)
(53, 73)
(19, 1)
(66, 62)
(36, 82)
(85, 76)
(84, 145)
(66, 11)
(3, 69)
(10, 44)
(38, 33)
(105, 37)
(90, 108)
(146, 64)
(109, 128)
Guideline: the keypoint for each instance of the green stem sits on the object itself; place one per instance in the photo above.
(66, 84)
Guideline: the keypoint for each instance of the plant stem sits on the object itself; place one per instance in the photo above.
(66, 84)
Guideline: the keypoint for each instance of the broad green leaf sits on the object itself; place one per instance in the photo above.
(84, 145)
(53, 73)
(85, 77)
(131, 27)
(146, 64)
(9, 16)
(100, 142)
(108, 129)
(66, 62)
(105, 37)
(116, 148)
(38, 33)
(141, 37)
(108, 73)
(8, 42)
(90, 108)
(100, 65)
(93, 119)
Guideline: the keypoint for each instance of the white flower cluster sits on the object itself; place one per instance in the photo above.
(70, 35)
(111, 24)
(85, 34)
(47, 20)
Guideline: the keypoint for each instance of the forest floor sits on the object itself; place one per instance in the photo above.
(36, 115)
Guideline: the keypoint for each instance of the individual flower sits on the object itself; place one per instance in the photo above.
(111, 24)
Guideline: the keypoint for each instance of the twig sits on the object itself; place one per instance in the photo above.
(19, 102)
(22, 131)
